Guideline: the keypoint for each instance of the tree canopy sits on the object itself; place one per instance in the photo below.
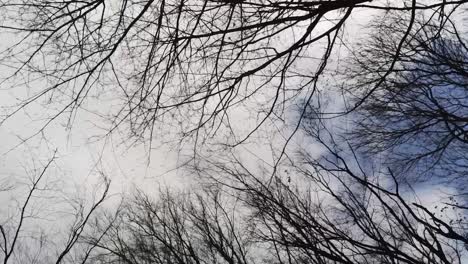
(359, 103)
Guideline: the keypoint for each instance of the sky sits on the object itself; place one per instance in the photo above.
(81, 159)
(130, 167)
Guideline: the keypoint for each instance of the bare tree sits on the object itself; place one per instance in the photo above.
(417, 117)
(333, 208)
(334, 214)
(23, 239)
(175, 228)
(204, 59)
(168, 60)
(337, 209)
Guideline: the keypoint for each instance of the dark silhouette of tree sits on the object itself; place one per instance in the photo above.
(21, 243)
(418, 117)
(334, 208)
(189, 65)
(175, 228)
(333, 211)
(164, 61)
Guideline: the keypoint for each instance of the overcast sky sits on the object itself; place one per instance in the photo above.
(80, 157)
